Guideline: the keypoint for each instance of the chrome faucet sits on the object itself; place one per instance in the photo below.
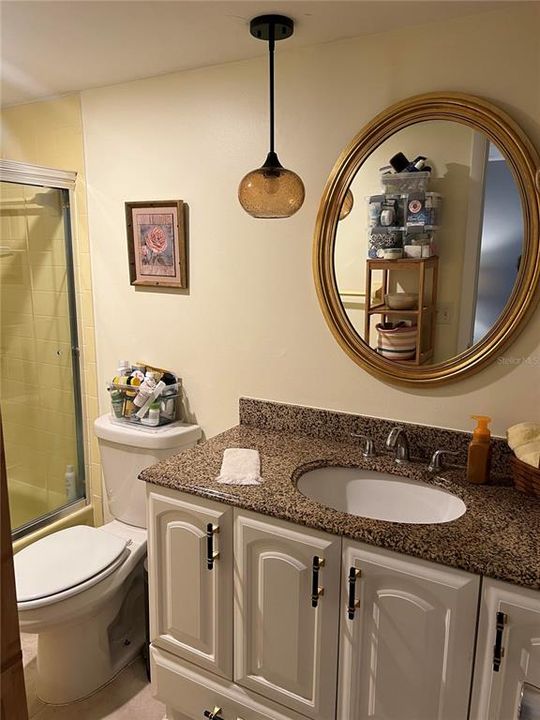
(397, 441)
(368, 449)
(437, 463)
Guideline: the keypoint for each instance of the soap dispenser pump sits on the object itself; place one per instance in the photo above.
(479, 455)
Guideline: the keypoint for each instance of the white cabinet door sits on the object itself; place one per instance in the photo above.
(407, 653)
(190, 604)
(508, 654)
(286, 649)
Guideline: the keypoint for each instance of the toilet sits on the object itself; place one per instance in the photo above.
(81, 589)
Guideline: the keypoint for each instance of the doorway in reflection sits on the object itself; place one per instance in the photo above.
(501, 245)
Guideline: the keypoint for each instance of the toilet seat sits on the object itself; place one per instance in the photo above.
(66, 563)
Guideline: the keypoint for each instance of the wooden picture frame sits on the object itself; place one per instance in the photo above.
(156, 238)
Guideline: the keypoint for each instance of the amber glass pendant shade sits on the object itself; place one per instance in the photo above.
(271, 191)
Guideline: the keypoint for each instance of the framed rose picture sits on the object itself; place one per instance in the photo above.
(156, 237)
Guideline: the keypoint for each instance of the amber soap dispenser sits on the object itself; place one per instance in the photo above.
(479, 455)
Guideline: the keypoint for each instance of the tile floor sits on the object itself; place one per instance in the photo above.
(127, 697)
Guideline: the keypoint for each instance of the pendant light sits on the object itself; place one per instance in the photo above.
(271, 191)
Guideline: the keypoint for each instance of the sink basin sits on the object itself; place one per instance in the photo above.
(380, 496)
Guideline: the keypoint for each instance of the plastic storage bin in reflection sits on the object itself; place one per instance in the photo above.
(405, 182)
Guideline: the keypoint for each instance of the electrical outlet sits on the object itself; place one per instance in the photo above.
(444, 313)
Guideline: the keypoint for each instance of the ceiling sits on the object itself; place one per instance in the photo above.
(52, 47)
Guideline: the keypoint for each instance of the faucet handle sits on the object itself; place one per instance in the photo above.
(369, 448)
(437, 462)
(393, 436)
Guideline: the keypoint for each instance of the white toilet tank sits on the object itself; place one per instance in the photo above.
(125, 451)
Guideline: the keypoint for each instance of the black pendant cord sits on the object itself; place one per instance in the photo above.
(271, 48)
(271, 28)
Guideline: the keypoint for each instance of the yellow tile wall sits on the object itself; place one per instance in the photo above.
(37, 415)
(50, 133)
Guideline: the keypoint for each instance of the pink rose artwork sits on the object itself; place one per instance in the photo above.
(157, 243)
(156, 240)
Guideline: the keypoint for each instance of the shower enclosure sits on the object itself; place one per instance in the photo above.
(40, 387)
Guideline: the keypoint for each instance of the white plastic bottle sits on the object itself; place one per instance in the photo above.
(152, 417)
(146, 389)
(124, 368)
(71, 484)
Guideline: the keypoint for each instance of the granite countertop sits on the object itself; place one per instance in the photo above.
(498, 535)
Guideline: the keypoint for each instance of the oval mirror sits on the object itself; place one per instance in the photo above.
(426, 252)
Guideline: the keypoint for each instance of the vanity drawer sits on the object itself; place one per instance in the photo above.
(188, 691)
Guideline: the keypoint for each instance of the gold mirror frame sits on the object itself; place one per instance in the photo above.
(525, 165)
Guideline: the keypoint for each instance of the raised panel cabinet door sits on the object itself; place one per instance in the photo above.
(286, 613)
(190, 594)
(507, 671)
(407, 637)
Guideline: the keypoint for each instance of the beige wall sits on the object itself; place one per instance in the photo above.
(50, 134)
(251, 323)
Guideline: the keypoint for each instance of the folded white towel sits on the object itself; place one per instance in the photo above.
(522, 433)
(527, 447)
(240, 467)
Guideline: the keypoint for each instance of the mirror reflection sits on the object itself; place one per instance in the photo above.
(428, 253)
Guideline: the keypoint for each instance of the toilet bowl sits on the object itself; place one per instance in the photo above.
(88, 628)
(81, 589)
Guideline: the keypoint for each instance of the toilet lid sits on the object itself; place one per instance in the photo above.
(63, 560)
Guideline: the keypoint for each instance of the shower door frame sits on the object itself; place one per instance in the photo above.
(12, 171)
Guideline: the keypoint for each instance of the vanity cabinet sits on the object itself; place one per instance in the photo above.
(507, 673)
(286, 594)
(309, 617)
(191, 604)
(407, 637)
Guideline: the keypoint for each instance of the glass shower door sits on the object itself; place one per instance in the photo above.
(40, 397)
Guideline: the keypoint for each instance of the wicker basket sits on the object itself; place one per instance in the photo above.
(526, 477)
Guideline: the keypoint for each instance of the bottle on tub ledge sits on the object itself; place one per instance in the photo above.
(479, 455)
(70, 484)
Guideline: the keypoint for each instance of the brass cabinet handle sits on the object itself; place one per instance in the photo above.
(213, 714)
(353, 604)
(316, 591)
(211, 556)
